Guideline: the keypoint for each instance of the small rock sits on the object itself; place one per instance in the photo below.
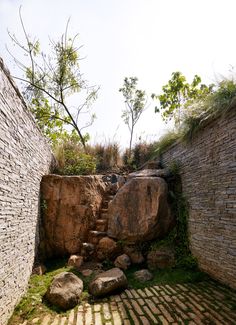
(143, 275)
(106, 249)
(161, 258)
(35, 320)
(75, 261)
(65, 290)
(87, 272)
(134, 254)
(107, 282)
(122, 262)
(39, 270)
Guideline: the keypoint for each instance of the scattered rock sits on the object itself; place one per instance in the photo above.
(107, 282)
(122, 262)
(87, 250)
(107, 249)
(139, 211)
(86, 272)
(75, 261)
(134, 254)
(161, 258)
(65, 290)
(143, 275)
(39, 269)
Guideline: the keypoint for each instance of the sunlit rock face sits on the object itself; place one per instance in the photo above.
(140, 211)
(70, 205)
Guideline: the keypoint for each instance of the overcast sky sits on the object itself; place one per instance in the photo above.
(145, 38)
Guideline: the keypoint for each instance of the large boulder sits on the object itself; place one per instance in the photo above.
(70, 205)
(107, 249)
(139, 211)
(107, 282)
(65, 290)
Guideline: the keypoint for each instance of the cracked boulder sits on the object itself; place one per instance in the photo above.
(140, 212)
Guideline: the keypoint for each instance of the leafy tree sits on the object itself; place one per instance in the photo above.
(50, 80)
(177, 93)
(135, 102)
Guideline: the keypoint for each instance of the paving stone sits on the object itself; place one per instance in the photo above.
(97, 318)
(106, 311)
(144, 320)
(71, 317)
(63, 321)
(134, 317)
(122, 310)
(148, 293)
(46, 320)
(88, 315)
(80, 315)
(116, 317)
(136, 307)
(150, 315)
(55, 321)
(97, 307)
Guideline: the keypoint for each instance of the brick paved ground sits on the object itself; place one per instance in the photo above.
(201, 303)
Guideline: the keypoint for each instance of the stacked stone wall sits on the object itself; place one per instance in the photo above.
(24, 158)
(208, 172)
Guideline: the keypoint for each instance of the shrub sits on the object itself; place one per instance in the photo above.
(72, 160)
(107, 156)
(140, 154)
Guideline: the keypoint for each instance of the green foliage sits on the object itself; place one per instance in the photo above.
(50, 79)
(73, 161)
(176, 93)
(203, 110)
(135, 101)
(140, 154)
(178, 237)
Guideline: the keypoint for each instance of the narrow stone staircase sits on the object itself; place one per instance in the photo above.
(100, 231)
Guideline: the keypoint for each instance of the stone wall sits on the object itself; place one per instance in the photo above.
(24, 158)
(208, 172)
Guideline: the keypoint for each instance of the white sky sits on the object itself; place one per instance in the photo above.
(145, 38)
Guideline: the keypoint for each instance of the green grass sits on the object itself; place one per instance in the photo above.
(32, 304)
(167, 276)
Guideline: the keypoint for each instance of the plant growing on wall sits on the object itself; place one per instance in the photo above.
(135, 102)
(50, 81)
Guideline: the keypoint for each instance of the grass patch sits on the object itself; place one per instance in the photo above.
(167, 276)
(32, 304)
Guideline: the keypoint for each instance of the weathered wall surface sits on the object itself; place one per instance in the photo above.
(24, 158)
(208, 172)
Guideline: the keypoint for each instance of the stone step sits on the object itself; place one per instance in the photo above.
(87, 250)
(101, 221)
(104, 210)
(96, 233)
(110, 197)
(101, 225)
(95, 236)
(105, 204)
(103, 216)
